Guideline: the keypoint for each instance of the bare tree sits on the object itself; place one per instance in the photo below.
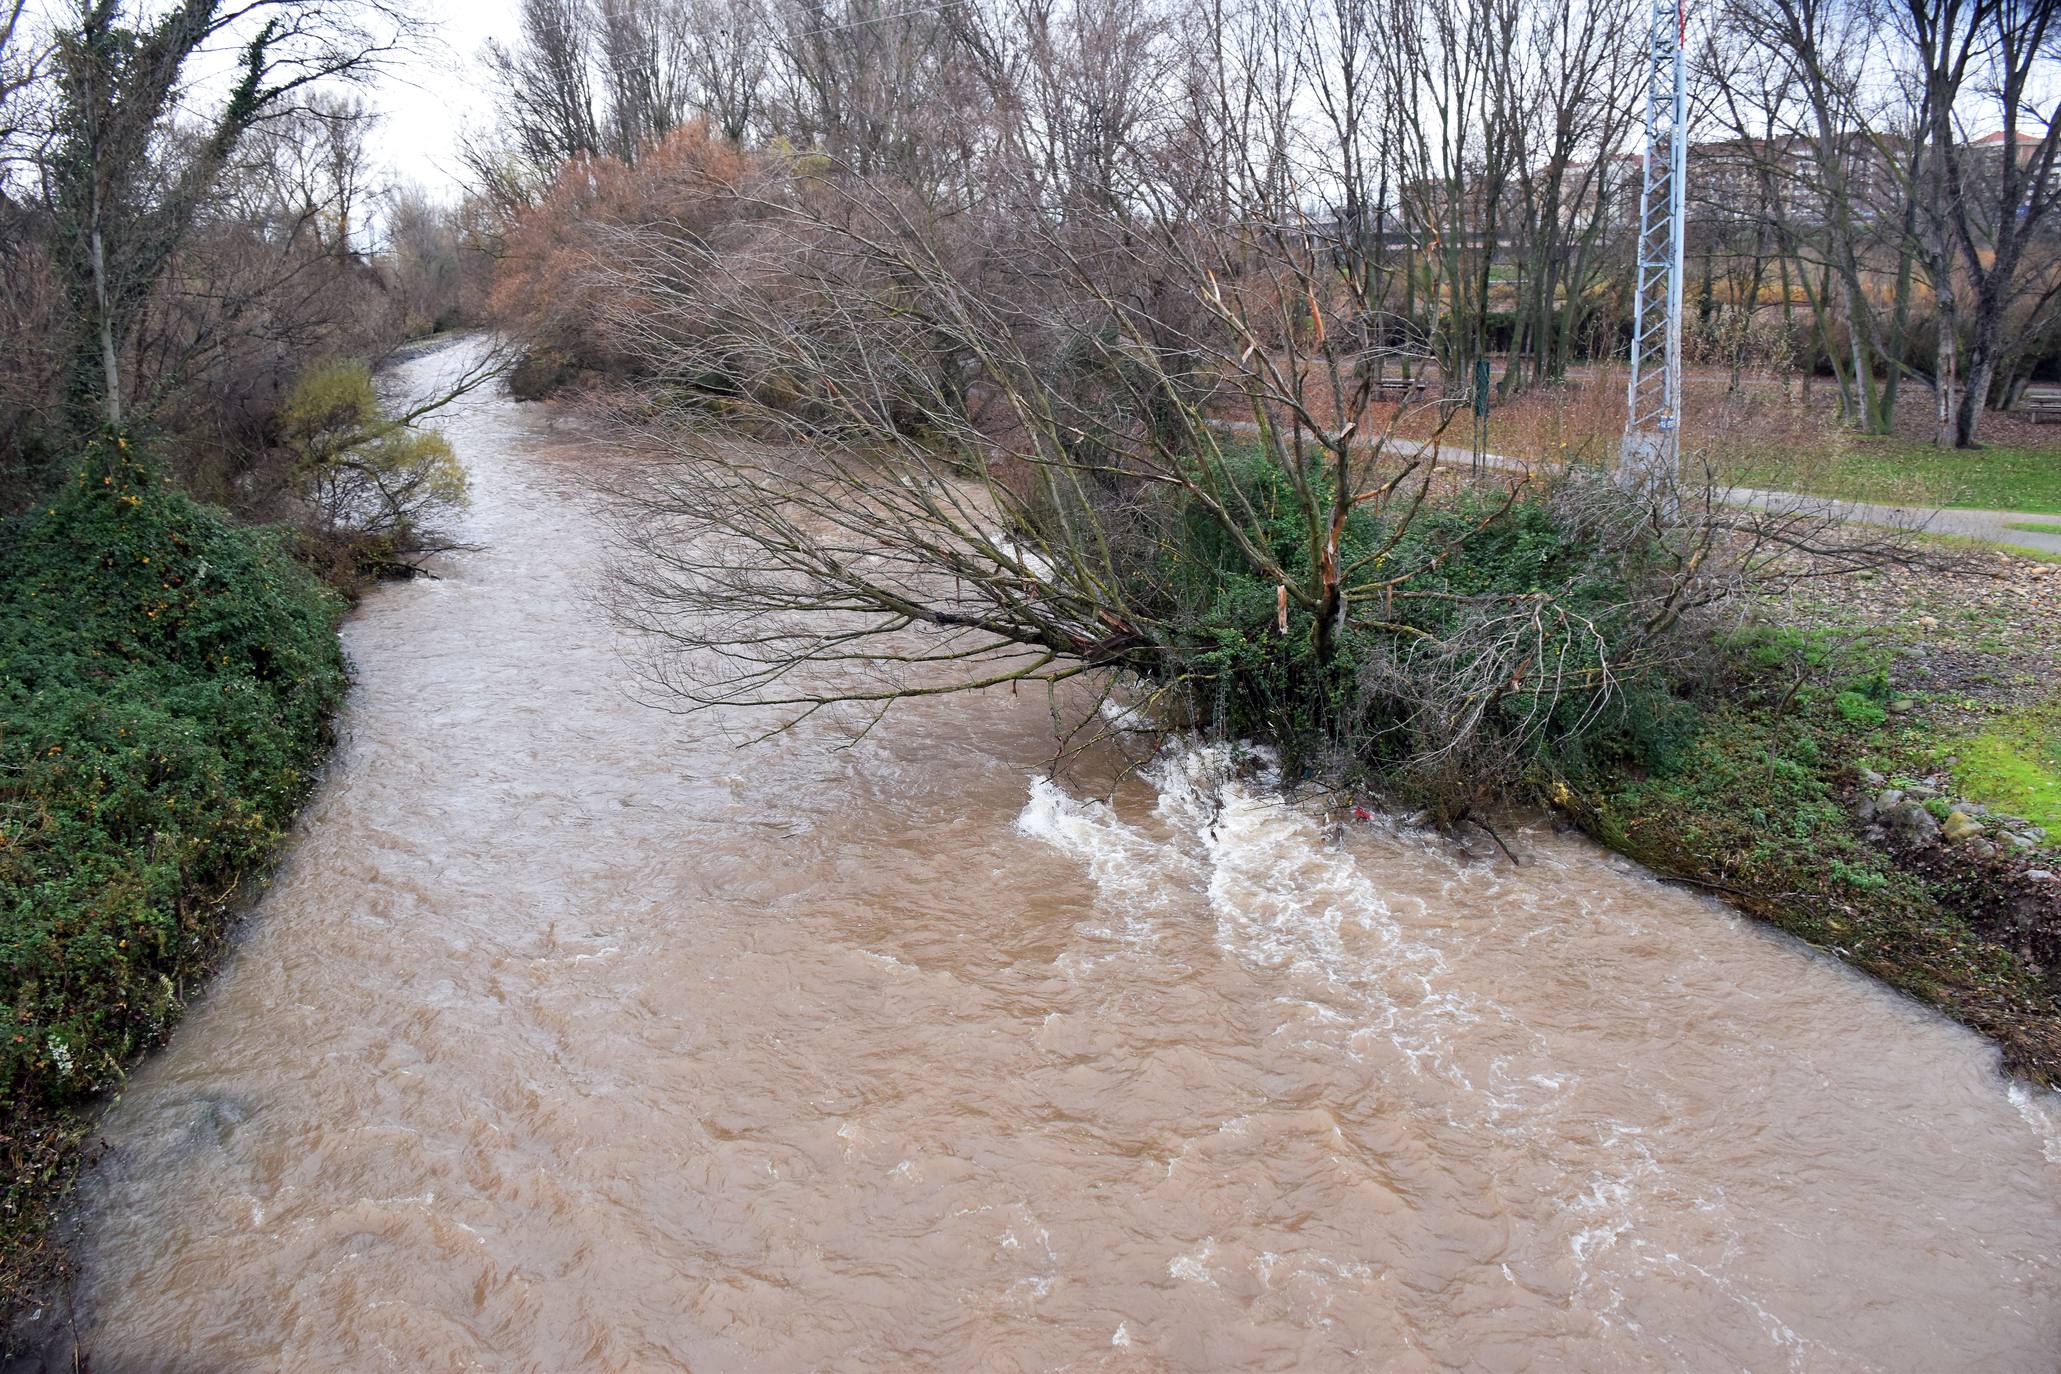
(285, 264)
(1840, 202)
(124, 199)
(1569, 93)
(429, 266)
(582, 77)
(1873, 126)
(307, 172)
(1192, 485)
(1457, 160)
(22, 63)
(645, 52)
(31, 313)
(1997, 197)
(727, 53)
(873, 84)
(545, 76)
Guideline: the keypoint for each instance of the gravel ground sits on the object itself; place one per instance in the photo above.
(1977, 641)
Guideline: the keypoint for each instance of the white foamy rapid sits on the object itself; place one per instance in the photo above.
(1285, 896)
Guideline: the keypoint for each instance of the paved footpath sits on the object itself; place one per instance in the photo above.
(1991, 525)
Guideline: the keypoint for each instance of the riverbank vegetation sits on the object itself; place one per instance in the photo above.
(912, 465)
(1868, 775)
(166, 683)
(1870, 208)
(172, 263)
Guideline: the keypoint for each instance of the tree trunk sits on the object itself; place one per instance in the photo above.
(110, 365)
(1788, 318)
(1946, 355)
(1900, 315)
(1982, 365)
(1861, 346)
(1984, 347)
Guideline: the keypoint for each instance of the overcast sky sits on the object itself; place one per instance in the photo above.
(427, 100)
(430, 99)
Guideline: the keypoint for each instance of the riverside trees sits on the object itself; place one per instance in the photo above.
(175, 249)
(124, 197)
(1073, 377)
(1871, 182)
(1895, 152)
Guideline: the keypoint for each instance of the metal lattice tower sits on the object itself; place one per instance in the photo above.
(1650, 459)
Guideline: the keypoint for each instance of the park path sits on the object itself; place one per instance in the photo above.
(1992, 526)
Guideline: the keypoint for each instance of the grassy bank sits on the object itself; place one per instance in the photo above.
(1935, 687)
(166, 682)
(1895, 471)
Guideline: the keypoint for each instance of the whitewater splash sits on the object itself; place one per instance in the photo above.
(1285, 894)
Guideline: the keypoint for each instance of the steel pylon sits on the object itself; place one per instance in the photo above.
(1650, 458)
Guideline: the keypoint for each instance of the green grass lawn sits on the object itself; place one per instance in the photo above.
(1969, 541)
(1899, 472)
(2016, 765)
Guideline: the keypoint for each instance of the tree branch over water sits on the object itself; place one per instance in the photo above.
(921, 449)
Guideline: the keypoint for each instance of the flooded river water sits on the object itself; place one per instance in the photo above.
(573, 1037)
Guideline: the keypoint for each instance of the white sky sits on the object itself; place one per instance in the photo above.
(426, 102)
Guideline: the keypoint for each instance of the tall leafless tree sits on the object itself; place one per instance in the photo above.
(1999, 197)
(545, 76)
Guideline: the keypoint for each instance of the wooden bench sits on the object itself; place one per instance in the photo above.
(1398, 390)
(2041, 408)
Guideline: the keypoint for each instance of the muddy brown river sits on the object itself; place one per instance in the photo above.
(574, 1037)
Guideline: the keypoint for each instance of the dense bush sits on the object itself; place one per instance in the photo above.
(1516, 636)
(165, 683)
(555, 280)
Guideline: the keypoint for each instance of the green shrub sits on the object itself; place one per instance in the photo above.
(1399, 671)
(378, 491)
(1856, 876)
(166, 679)
(1856, 709)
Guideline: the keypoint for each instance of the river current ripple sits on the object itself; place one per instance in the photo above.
(573, 1037)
